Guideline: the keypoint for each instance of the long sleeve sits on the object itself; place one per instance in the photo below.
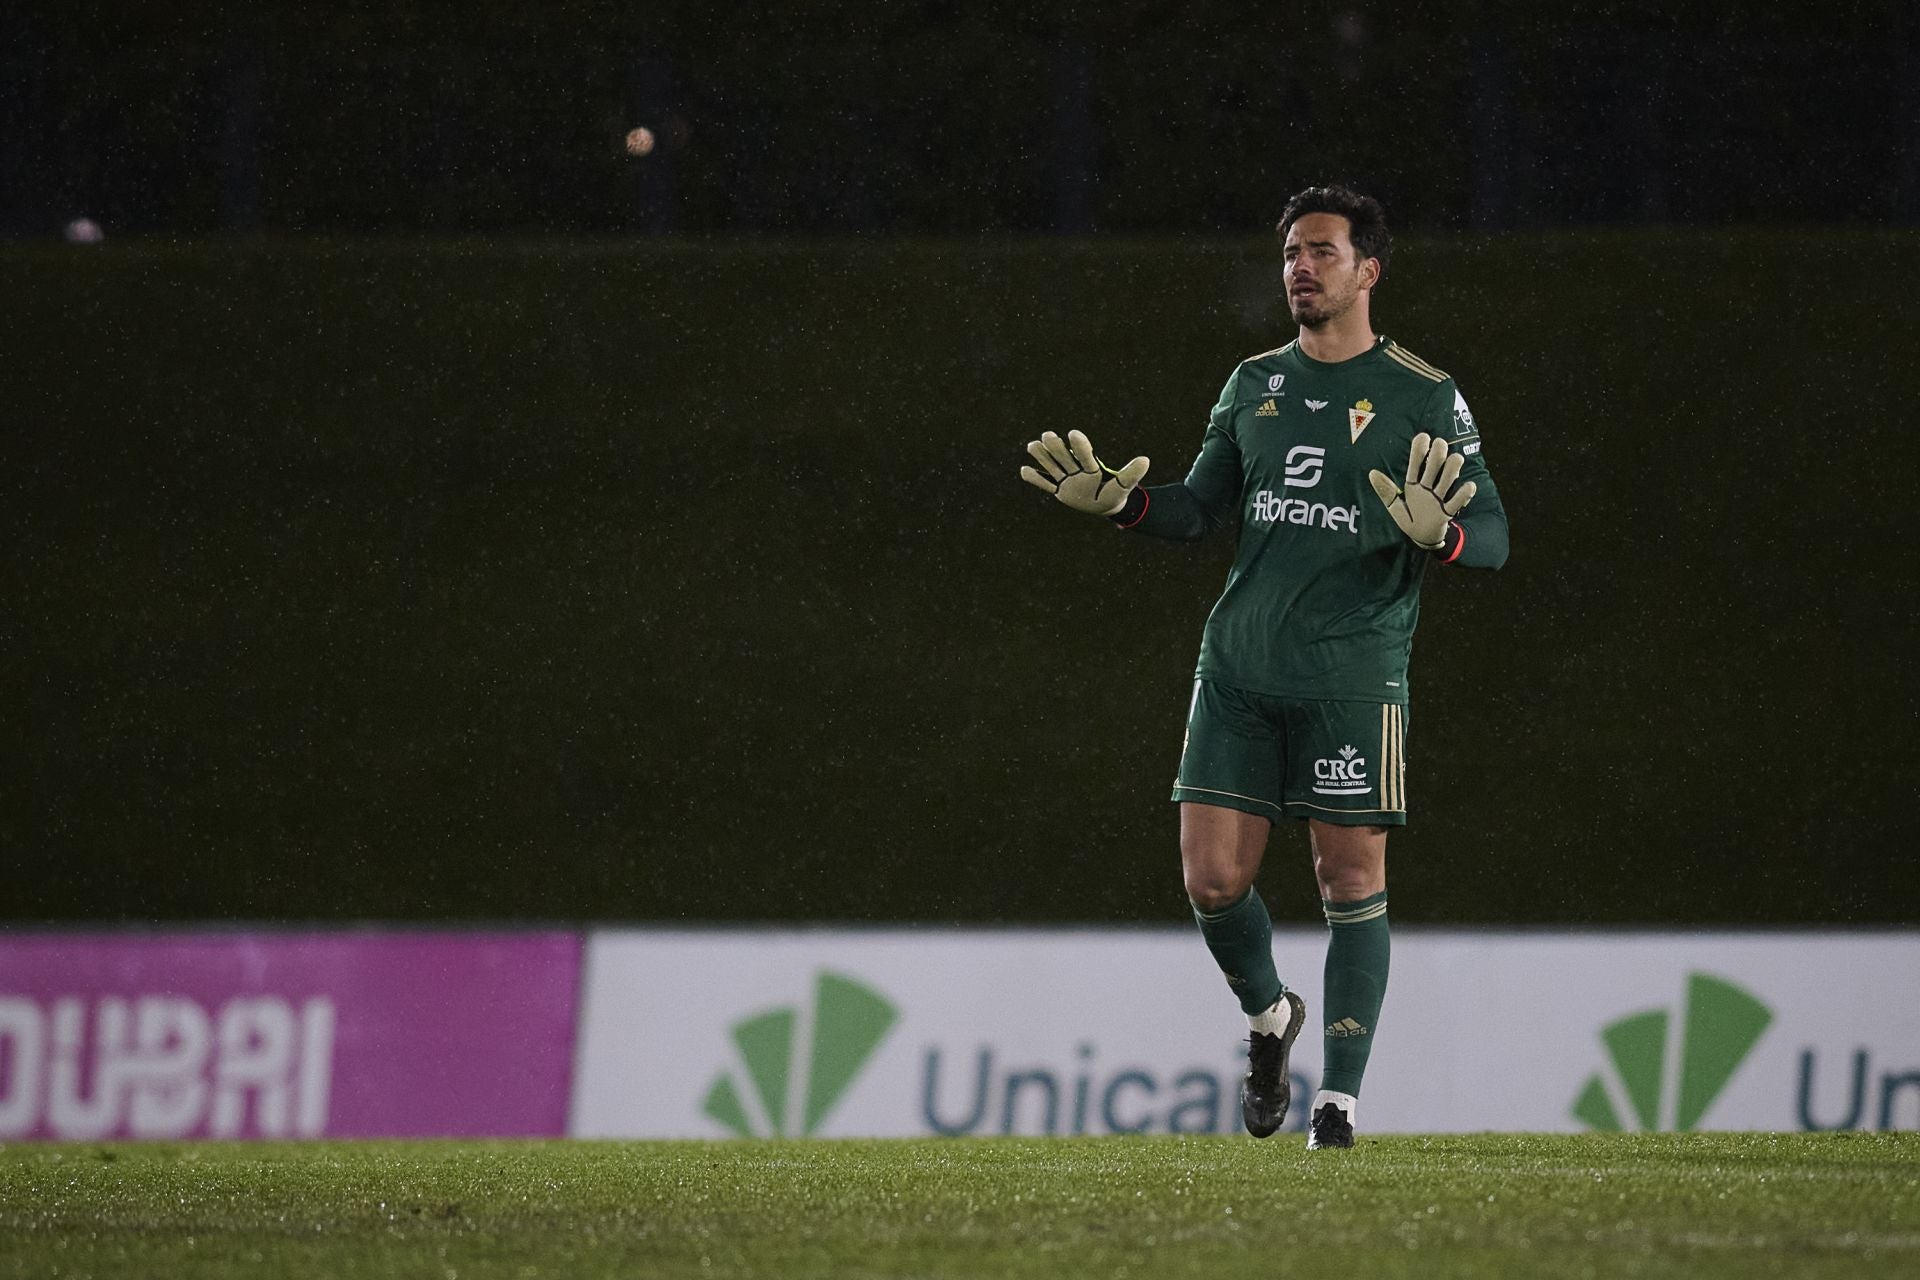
(1481, 540)
(1478, 539)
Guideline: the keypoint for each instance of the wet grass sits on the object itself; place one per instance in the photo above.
(1745, 1205)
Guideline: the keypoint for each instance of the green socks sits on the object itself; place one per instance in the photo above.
(1358, 945)
(1241, 939)
(1356, 982)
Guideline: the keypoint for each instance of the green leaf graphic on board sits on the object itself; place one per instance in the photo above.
(723, 1104)
(1638, 1046)
(1593, 1109)
(766, 1046)
(1719, 1028)
(848, 1023)
(1723, 1025)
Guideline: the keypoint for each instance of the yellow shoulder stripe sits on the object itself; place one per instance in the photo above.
(1408, 355)
(1276, 351)
(1415, 363)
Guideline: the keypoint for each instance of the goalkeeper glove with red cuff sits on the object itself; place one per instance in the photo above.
(1425, 508)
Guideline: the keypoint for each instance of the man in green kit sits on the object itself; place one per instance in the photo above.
(1300, 697)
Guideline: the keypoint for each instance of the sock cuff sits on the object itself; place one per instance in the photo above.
(1372, 907)
(1277, 1017)
(1347, 1102)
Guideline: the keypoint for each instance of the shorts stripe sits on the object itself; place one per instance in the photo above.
(1398, 776)
(1393, 763)
(1387, 755)
(1387, 798)
(1400, 754)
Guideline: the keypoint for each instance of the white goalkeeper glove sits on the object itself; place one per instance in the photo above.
(1422, 509)
(1069, 471)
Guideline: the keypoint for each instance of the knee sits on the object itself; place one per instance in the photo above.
(1349, 863)
(1220, 852)
(1349, 881)
(1349, 884)
(1211, 890)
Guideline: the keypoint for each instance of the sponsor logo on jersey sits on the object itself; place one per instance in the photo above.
(1316, 405)
(1270, 508)
(1358, 417)
(1303, 465)
(1267, 410)
(1341, 775)
(1275, 509)
(1463, 424)
(1274, 382)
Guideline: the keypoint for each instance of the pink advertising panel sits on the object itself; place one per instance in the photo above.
(271, 1035)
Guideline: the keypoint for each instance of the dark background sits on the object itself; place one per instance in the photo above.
(418, 509)
(851, 116)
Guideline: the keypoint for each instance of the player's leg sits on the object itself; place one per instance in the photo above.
(1220, 853)
(1350, 863)
(1228, 788)
(1348, 778)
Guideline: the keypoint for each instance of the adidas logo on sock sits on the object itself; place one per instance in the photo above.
(1344, 1028)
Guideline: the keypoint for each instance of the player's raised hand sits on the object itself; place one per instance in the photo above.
(1070, 472)
(1423, 508)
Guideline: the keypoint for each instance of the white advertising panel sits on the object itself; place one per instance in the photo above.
(843, 1033)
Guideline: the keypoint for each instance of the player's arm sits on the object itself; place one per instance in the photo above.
(1182, 512)
(1448, 503)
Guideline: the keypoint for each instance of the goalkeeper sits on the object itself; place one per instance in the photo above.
(1353, 466)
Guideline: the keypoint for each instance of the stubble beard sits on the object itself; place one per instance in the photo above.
(1320, 311)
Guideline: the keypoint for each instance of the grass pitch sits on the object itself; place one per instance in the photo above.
(1698, 1205)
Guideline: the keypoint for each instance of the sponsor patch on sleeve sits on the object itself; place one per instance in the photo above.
(1463, 424)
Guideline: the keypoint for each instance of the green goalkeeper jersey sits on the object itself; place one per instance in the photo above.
(1325, 590)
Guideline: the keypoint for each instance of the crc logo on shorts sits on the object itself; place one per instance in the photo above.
(1344, 775)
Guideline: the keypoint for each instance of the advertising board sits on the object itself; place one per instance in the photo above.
(914, 1032)
(260, 1034)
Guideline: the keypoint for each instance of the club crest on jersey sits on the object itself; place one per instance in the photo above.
(1275, 381)
(1358, 417)
(1267, 410)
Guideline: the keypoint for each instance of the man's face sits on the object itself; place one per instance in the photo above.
(1324, 276)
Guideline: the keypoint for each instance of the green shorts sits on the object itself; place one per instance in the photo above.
(1342, 762)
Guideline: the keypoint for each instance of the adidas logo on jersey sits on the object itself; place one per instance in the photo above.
(1267, 410)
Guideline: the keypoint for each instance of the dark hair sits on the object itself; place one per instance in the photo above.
(1366, 219)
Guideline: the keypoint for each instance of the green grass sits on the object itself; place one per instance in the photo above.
(1699, 1206)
